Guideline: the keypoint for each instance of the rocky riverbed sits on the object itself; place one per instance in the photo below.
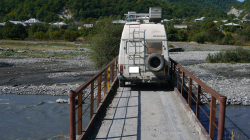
(53, 76)
(231, 80)
(45, 76)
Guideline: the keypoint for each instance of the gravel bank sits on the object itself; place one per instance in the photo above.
(231, 80)
(45, 76)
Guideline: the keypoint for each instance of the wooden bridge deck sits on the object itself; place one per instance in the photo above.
(147, 112)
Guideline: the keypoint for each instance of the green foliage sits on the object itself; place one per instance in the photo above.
(84, 31)
(229, 28)
(192, 32)
(201, 37)
(72, 28)
(70, 35)
(46, 10)
(214, 34)
(1, 32)
(182, 35)
(105, 44)
(7, 33)
(14, 31)
(40, 35)
(54, 35)
(237, 55)
(19, 31)
(37, 27)
(172, 34)
(207, 24)
(228, 39)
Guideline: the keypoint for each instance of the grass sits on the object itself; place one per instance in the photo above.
(40, 54)
(237, 55)
(48, 45)
(39, 50)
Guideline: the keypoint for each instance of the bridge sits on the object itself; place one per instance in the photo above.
(146, 111)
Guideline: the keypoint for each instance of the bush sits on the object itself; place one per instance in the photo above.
(105, 44)
(237, 55)
(37, 27)
(40, 35)
(201, 37)
(228, 39)
(214, 34)
(192, 32)
(54, 35)
(182, 35)
(85, 32)
(7, 33)
(19, 32)
(70, 35)
(172, 34)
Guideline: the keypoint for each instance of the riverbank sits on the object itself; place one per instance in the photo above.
(50, 73)
(231, 80)
(56, 76)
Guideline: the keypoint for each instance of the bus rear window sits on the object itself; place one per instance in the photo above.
(154, 47)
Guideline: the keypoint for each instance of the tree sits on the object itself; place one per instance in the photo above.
(172, 34)
(70, 35)
(207, 24)
(1, 32)
(39, 35)
(105, 44)
(201, 37)
(182, 35)
(19, 31)
(54, 35)
(214, 34)
(37, 27)
(7, 33)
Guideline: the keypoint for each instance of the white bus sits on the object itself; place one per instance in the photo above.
(143, 54)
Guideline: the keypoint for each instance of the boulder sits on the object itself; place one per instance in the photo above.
(61, 101)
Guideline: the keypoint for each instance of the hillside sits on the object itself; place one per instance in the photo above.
(245, 5)
(46, 10)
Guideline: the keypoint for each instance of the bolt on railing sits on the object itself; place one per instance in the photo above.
(103, 79)
(183, 89)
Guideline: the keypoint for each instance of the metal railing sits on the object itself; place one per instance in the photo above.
(100, 85)
(185, 82)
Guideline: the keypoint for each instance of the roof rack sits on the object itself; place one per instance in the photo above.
(154, 15)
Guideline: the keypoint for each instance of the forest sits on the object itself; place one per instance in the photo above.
(47, 10)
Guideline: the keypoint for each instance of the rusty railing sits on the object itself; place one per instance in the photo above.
(100, 85)
(185, 82)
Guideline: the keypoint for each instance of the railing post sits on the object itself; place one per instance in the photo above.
(171, 70)
(105, 83)
(222, 113)
(178, 79)
(108, 78)
(92, 100)
(79, 132)
(198, 102)
(99, 90)
(212, 116)
(72, 115)
(190, 92)
(174, 75)
(112, 74)
(182, 83)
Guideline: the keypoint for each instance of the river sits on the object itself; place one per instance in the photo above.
(22, 118)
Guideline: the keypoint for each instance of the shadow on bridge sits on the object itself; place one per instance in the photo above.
(125, 120)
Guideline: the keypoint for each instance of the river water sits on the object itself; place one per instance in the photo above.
(21, 118)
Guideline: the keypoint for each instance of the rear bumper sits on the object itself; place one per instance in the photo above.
(148, 79)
